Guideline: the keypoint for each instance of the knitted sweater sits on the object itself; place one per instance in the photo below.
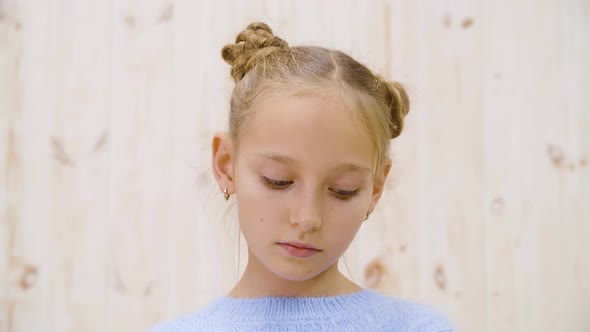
(365, 310)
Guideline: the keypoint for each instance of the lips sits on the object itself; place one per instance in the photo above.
(300, 250)
(301, 245)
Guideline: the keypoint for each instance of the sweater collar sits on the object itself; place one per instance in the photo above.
(276, 308)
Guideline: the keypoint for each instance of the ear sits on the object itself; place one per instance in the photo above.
(223, 161)
(379, 184)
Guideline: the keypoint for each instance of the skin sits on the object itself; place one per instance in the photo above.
(302, 142)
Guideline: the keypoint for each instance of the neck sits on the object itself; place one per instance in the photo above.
(258, 281)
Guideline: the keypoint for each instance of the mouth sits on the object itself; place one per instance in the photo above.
(299, 250)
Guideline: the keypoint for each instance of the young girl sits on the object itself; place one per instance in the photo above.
(306, 157)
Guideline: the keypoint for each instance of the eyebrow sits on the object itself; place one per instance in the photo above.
(351, 167)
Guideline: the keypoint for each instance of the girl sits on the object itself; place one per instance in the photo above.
(306, 156)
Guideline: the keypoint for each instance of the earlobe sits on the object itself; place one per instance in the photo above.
(222, 159)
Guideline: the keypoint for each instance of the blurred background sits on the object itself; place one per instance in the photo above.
(110, 219)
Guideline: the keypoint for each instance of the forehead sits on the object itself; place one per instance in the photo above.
(313, 129)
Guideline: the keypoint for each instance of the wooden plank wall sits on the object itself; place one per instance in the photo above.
(109, 217)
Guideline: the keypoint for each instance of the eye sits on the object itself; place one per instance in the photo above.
(276, 184)
(345, 195)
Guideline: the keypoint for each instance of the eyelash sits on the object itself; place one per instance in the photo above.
(280, 185)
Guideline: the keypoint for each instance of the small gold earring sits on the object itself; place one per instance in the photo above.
(225, 194)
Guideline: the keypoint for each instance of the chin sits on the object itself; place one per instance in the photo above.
(293, 272)
(296, 276)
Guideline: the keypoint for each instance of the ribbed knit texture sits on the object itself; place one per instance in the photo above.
(366, 310)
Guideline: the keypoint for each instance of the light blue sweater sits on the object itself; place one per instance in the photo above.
(366, 310)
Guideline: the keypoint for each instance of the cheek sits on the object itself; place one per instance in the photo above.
(259, 212)
(344, 220)
(349, 212)
(343, 224)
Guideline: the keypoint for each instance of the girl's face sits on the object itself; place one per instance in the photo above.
(303, 174)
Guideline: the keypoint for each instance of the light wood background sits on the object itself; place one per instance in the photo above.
(109, 217)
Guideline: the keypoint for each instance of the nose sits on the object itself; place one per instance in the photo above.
(307, 214)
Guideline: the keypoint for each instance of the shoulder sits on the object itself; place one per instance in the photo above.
(397, 314)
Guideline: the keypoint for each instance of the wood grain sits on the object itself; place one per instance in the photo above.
(110, 219)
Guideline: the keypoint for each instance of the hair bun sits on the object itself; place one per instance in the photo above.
(252, 44)
(398, 102)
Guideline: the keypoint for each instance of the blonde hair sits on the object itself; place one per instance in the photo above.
(263, 64)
